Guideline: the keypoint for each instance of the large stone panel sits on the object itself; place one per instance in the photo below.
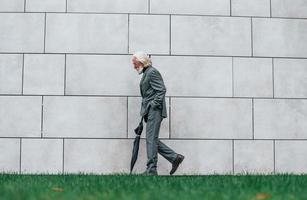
(290, 78)
(289, 8)
(250, 8)
(97, 156)
(279, 37)
(193, 7)
(10, 73)
(42, 156)
(11, 5)
(10, 155)
(253, 156)
(107, 6)
(291, 157)
(195, 76)
(149, 33)
(22, 32)
(44, 74)
(280, 118)
(45, 5)
(87, 33)
(214, 118)
(85, 117)
(252, 77)
(101, 75)
(20, 116)
(203, 35)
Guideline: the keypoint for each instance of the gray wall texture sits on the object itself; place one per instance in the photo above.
(235, 72)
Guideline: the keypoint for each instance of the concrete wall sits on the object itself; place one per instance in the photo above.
(235, 72)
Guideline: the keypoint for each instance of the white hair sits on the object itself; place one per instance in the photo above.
(143, 58)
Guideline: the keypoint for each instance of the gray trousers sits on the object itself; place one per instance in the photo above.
(153, 144)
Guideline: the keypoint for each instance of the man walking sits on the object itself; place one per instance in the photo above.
(153, 110)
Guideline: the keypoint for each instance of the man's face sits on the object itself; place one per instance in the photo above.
(137, 64)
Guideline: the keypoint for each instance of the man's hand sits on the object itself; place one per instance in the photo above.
(146, 117)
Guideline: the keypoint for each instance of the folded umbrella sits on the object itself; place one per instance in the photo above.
(136, 144)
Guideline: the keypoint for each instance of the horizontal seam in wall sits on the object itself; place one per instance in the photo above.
(174, 14)
(191, 97)
(153, 55)
(162, 138)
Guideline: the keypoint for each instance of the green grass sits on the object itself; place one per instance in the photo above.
(117, 187)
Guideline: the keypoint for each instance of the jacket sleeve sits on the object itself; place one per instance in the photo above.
(157, 84)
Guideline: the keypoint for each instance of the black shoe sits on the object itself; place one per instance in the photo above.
(176, 163)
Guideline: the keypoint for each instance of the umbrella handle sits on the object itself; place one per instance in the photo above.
(142, 119)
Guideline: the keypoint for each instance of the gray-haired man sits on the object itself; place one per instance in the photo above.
(154, 110)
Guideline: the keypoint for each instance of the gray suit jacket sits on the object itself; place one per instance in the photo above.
(153, 91)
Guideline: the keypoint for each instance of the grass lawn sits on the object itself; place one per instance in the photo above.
(216, 187)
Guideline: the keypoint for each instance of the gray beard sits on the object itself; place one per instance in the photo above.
(140, 71)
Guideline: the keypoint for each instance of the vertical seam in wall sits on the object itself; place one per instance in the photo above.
(24, 5)
(42, 115)
(230, 7)
(170, 34)
(232, 77)
(22, 73)
(253, 126)
(169, 117)
(148, 6)
(270, 8)
(233, 157)
(274, 155)
(128, 33)
(45, 33)
(127, 117)
(65, 55)
(63, 158)
(252, 38)
(66, 6)
(273, 78)
(20, 140)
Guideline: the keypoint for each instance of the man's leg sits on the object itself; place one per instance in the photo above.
(166, 152)
(170, 155)
(152, 139)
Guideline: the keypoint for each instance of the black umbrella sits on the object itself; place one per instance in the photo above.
(136, 144)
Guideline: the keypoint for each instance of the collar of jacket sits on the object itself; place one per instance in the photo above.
(144, 73)
(145, 68)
